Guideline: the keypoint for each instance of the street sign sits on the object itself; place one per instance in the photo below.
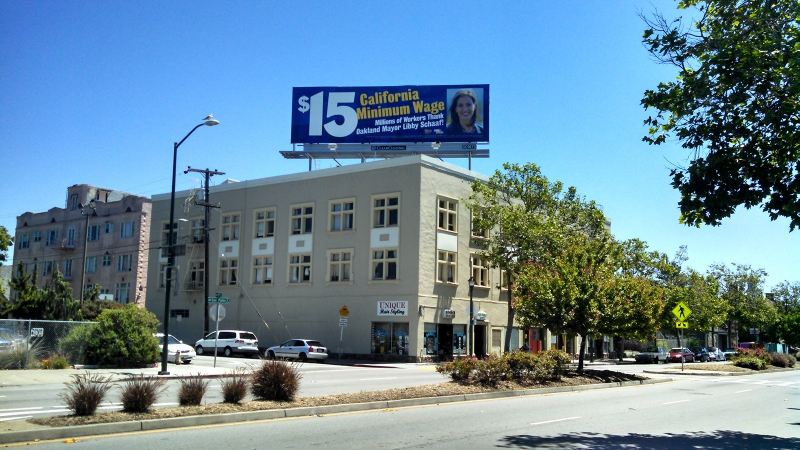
(344, 312)
(342, 321)
(218, 300)
(681, 311)
(682, 325)
(216, 313)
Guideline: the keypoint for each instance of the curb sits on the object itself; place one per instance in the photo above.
(718, 374)
(44, 434)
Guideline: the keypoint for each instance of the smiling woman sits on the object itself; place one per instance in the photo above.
(463, 113)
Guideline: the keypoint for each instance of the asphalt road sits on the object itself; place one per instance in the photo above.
(752, 412)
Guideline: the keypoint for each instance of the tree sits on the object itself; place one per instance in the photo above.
(5, 242)
(735, 105)
(741, 287)
(786, 299)
(526, 216)
(53, 302)
(701, 294)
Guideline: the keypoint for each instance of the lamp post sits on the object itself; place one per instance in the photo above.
(85, 243)
(208, 121)
(471, 320)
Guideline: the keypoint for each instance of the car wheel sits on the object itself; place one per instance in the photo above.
(187, 362)
(303, 357)
(271, 355)
(227, 352)
(199, 349)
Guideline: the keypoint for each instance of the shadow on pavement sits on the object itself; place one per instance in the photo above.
(720, 440)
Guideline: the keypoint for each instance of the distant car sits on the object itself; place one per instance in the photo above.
(174, 346)
(679, 354)
(716, 354)
(700, 354)
(651, 355)
(229, 342)
(302, 349)
(6, 344)
(730, 353)
(14, 336)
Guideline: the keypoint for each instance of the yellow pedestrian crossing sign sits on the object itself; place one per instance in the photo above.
(344, 312)
(681, 311)
(682, 325)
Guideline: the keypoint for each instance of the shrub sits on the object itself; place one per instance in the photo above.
(85, 393)
(781, 360)
(520, 364)
(140, 392)
(192, 390)
(234, 387)
(492, 370)
(57, 362)
(73, 347)
(750, 362)
(121, 338)
(459, 370)
(560, 359)
(275, 380)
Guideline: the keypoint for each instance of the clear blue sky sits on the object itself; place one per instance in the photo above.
(97, 92)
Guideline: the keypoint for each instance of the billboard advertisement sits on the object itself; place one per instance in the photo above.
(386, 114)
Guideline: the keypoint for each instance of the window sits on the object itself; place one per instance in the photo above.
(385, 211)
(302, 216)
(47, 268)
(73, 202)
(91, 264)
(106, 260)
(109, 227)
(37, 236)
(67, 268)
(162, 275)
(300, 268)
(198, 230)
(124, 263)
(384, 264)
(52, 237)
(22, 241)
(70, 237)
(339, 265)
(126, 230)
(265, 223)
(342, 215)
(183, 313)
(503, 280)
(230, 227)
(480, 270)
(476, 230)
(197, 276)
(390, 338)
(227, 271)
(446, 267)
(262, 270)
(165, 234)
(94, 233)
(447, 214)
(122, 291)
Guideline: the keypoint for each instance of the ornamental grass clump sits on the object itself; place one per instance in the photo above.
(85, 393)
(192, 390)
(234, 386)
(140, 393)
(781, 360)
(275, 380)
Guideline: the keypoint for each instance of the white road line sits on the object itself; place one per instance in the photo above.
(556, 420)
(746, 390)
(20, 409)
(679, 401)
(372, 379)
(16, 418)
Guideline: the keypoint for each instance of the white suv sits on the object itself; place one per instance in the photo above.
(228, 343)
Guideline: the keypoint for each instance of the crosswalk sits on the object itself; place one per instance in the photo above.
(27, 413)
(745, 381)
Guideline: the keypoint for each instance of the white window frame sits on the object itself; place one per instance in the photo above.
(125, 262)
(446, 267)
(342, 215)
(47, 268)
(301, 218)
(384, 258)
(91, 264)
(162, 275)
(197, 273)
(382, 210)
(228, 272)
(126, 229)
(24, 241)
(479, 270)
(300, 268)
(106, 260)
(262, 270)
(122, 292)
(231, 226)
(165, 233)
(340, 265)
(109, 227)
(73, 202)
(37, 236)
(447, 219)
(264, 222)
(52, 238)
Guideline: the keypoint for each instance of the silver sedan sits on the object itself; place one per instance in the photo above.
(300, 349)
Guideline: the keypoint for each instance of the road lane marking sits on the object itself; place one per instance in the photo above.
(15, 418)
(373, 379)
(746, 390)
(679, 401)
(21, 409)
(556, 420)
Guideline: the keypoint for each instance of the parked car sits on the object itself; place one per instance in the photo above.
(716, 354)
(14, 336)
(302, 349)
(680, 354)
(6, 344)
(700, 354)
(175, 346)
(730, 353)
(230, 342)
(651, 355)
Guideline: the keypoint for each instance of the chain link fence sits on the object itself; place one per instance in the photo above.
(26, 343)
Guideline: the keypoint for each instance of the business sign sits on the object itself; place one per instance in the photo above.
(386, 114)
(392, 308)
(448, 314)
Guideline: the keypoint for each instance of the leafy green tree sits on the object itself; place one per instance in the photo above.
(735, 105)
(786, 299)
(527, 216)
(122, 337)
(742, 288)
(5, 242)
(701, 294)
(52, 302)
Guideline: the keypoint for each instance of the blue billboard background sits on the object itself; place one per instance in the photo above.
(385, 114)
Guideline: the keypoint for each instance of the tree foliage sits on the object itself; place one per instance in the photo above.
(5, 242)
(735, 104)
(527, 216)
(54, 301)
(742, 288)
(786, 299)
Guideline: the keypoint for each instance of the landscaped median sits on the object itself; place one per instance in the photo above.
(65, 427)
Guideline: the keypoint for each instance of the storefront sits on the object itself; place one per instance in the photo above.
(445, 341)
(391, 337)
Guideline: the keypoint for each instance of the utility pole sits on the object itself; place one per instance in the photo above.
(205, 204)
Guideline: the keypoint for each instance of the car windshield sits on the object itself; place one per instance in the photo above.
(315, 343)
(171, 340)
(712, 349)
(676, 350)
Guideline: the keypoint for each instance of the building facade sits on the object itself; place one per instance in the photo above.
(100, 237)
(389, 241)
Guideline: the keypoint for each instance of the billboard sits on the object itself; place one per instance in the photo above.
(386, 114)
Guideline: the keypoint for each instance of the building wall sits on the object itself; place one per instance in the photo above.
(311, 310)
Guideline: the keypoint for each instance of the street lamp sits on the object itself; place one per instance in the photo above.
(471, 320)
(208, 121)
(91, 205)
